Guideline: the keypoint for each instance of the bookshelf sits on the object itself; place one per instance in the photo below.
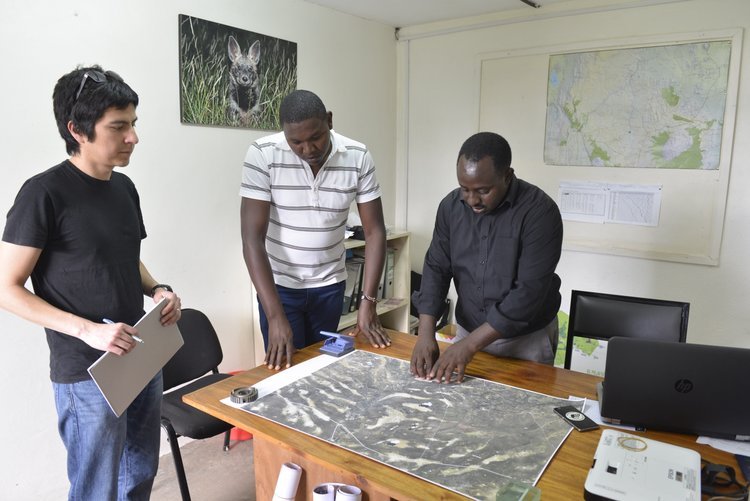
(393, 311)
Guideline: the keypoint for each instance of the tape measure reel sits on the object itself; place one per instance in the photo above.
(243, 395)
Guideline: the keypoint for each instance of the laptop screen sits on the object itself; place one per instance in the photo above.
(679, 387)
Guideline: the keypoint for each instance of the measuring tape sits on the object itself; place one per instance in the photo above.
(243, 395)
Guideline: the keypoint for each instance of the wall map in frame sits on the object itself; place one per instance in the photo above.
(693, 200)
(654, 107)
(232, 77)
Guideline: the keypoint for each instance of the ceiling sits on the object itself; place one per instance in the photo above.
(401, 13)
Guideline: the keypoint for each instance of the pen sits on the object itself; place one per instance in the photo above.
(108, 321)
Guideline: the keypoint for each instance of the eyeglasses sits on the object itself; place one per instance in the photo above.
(96, 76)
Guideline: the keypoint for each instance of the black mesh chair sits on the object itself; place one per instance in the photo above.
(597, 316)
(196, 362)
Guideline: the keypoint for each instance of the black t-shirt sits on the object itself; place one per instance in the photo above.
(90, 233)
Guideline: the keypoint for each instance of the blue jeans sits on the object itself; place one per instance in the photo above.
(308, 311)
(109, 458)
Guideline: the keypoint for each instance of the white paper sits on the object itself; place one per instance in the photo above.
(324, 492)
(731, 446)
(583, 202)
(596, 415)
(634, 204)
(591, 409)
(610, 203)
(287, 376)
(288, 481)
(348, 493)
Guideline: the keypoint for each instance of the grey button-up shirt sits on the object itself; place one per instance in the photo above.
(502, 262)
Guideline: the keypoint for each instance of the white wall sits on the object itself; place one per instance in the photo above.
(187, 176)
(443, 97)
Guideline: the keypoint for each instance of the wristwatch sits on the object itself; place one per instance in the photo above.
(166, 287)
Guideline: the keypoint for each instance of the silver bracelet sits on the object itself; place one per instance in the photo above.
(370, 298)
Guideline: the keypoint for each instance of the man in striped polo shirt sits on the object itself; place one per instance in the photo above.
(297, 187)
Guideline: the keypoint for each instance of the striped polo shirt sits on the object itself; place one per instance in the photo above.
(305, 238)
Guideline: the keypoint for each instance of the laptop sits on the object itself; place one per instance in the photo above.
(122, 378)
(685, 388)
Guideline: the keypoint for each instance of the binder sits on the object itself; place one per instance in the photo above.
(381, 283)
(386, 276)
(390, 262)
(353, 289)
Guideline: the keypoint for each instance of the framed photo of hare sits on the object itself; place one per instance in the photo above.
(231, 77)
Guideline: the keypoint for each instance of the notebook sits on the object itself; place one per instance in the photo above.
(121, 378)
(678, 387)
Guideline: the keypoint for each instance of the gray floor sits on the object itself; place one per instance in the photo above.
(212, 474)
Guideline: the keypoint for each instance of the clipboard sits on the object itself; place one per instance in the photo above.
(121, 378)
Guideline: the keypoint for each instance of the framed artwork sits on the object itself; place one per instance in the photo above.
(231, 77)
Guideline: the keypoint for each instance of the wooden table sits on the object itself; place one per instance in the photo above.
(323, 462)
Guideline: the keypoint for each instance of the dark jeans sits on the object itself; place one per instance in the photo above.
(308, 311)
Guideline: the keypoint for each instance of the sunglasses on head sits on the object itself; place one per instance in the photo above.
(95, 75)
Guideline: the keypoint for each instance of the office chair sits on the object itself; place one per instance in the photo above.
(445, 311)
(594, 315)
(197, 361)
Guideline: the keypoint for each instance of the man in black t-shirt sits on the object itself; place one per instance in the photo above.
(76, 230)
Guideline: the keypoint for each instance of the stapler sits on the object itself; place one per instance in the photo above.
(337, 344)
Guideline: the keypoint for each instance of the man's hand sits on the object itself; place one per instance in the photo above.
(424, 355)
(368, 323)
(171, 312)
(280, 344)
(115, 338)
(455, 358)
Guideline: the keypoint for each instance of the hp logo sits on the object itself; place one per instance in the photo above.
(683, 386)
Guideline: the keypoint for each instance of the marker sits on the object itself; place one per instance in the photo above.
(108, 321)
